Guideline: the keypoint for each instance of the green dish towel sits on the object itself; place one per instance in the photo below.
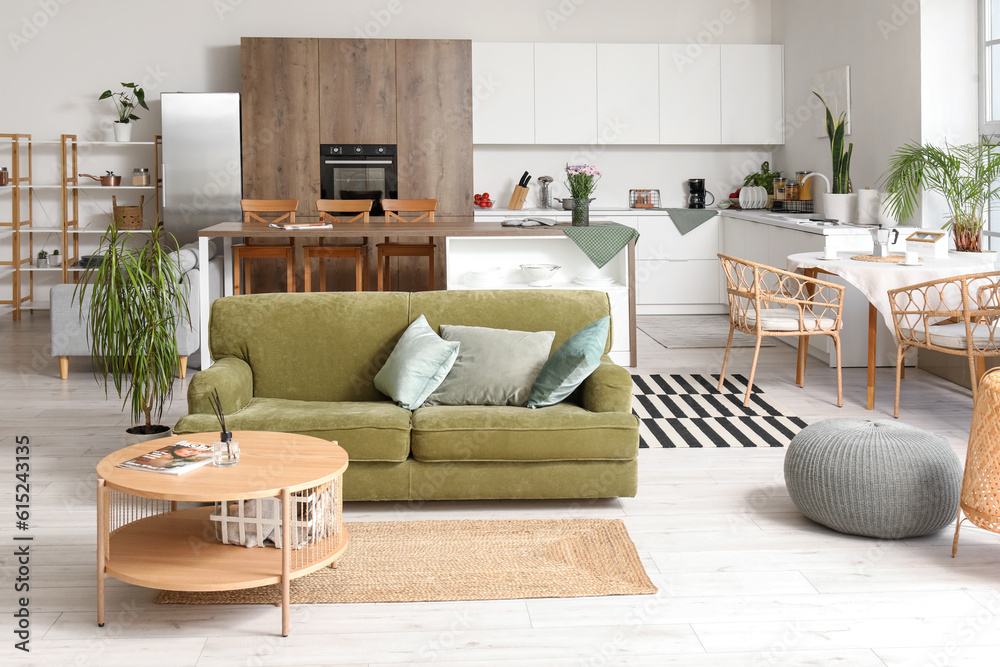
(686, 219)
(601, 241)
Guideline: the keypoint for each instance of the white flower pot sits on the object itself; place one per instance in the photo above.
(843, 208)
(123, 131)
(55, 260)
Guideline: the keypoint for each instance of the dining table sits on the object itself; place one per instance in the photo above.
(874, 277)
(438, 229)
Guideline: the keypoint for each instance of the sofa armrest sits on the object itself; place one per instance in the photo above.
(608, 389)
(233, 379)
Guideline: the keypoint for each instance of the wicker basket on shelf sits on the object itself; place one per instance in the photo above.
(127, 217)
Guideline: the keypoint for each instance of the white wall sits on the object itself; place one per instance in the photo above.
(883, 52)
(58, 63)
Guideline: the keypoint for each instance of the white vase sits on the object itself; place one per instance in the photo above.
(123, 131)
(843, 208)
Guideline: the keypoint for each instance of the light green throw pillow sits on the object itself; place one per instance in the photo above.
(570, 365)
(418, 364)
(494, 366)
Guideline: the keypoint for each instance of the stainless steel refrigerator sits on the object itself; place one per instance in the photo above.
(202, 169)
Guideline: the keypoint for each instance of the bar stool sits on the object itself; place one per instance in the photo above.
(422, 209)
(264, 212)
(328, 208)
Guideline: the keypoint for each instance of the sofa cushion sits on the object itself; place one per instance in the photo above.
(494, 366)
(563, 432)
(562, 311)
(322, 346)
(376, 431)
(570, 365)
(417, 366)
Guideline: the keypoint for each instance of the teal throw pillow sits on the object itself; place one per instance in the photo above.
(417, 366)
(570, 365)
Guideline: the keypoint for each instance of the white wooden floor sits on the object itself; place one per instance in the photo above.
(743, 578)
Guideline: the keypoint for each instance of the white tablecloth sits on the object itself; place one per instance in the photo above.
(875, 279)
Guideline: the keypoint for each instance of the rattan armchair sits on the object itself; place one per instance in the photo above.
(980, 497)
(769, 302)
(956, 315)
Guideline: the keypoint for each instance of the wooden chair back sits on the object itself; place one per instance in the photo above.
(266, 211)
(422, 209)
(328, 208)
(754, 287)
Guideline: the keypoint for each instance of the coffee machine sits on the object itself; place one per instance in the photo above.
(697, 192)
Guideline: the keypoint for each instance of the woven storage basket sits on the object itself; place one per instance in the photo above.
(316, 515)
(128, 217)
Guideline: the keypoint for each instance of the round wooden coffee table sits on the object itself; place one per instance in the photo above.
(144, 539)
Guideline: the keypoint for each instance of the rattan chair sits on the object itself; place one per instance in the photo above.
(264, 212)
(956, 315)
(980, 497)
(768, 302)
(420, 209)
(328, 210)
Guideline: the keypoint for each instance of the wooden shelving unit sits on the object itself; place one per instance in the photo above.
(69, 229)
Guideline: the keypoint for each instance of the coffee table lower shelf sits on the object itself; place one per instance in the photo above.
(177, 551)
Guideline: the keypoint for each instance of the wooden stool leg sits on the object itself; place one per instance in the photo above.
(236, 272)
(307, 272)
(322, 274)
(290, 270)
(182, 365)
(380, 286)
(359, 276)
(63, 367)
(430, 276)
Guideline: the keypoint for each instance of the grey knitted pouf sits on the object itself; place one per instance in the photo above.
(877, 478)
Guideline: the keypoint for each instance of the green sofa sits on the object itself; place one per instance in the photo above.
(305, 363)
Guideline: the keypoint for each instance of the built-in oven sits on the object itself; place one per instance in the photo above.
(359, 171)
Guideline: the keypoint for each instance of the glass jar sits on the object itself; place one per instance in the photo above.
(226, 452)
(779, 188)
(805, 185)
(4, 176)
(792, 191)
(140, 177)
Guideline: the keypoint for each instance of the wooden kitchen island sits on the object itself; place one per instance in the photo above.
(468, 245)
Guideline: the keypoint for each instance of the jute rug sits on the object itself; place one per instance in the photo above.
(686, 410)
(418, 561)
(679, 331)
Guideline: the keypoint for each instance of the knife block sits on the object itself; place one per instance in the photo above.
(517, 198)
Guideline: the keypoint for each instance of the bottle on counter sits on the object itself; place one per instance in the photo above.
(140, 176)
(805, 185)
(779, 188)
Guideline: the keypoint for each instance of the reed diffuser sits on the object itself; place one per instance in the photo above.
(226, 451)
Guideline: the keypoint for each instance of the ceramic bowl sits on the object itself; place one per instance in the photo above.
(540, 275)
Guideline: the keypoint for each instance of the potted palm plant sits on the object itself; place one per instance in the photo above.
(840, 203)
(125, 102)
(967, 176)
(135, 303)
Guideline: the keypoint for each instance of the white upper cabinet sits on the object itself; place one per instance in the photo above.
(690, 94)
(752, 94)
(628, 94)
(503, 93)
(565, 93)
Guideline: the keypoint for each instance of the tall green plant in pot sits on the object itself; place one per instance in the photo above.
(967, 176)
(135, 303)
(839, 204)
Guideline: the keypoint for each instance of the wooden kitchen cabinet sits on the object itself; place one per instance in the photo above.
(752, 78)
(628, 100)
(690, 94)
(279, 110)
(503, 93)
(565, 93)
(357, 91)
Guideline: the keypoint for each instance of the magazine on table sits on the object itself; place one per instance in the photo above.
(527, 222)
(175, 459)
(301, 225)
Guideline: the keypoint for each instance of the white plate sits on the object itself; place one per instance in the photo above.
(745, 198)
(594, 281)
(540, 283)
(761, 196)
(911, 263)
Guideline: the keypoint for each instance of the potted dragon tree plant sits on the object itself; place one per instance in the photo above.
(967, 176)
(839, 203)
(134, 302)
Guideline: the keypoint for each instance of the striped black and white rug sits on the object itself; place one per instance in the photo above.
(688, 411)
